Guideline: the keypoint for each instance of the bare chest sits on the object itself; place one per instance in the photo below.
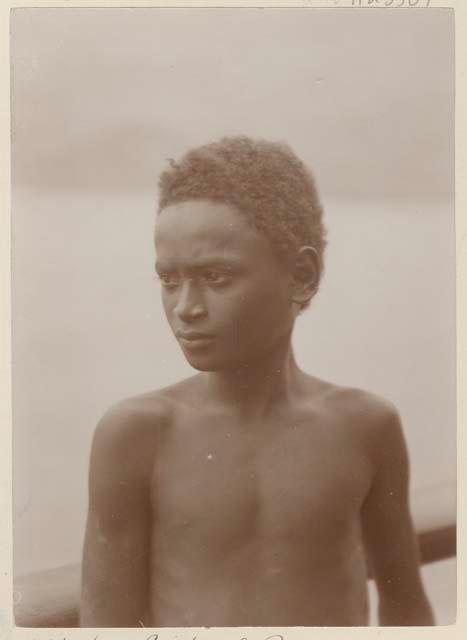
(224, 484)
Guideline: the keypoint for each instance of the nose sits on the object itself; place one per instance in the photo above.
(189, 305)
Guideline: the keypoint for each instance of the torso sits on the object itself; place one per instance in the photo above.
(259, 525)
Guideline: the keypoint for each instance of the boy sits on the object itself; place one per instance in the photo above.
(252, 493)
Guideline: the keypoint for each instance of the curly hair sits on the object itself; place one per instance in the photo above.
(263, 180)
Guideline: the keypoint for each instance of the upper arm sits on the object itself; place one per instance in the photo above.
(388, 531)
(115, 569)
(117, 473)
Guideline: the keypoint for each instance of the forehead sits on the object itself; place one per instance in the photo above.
(199, 229)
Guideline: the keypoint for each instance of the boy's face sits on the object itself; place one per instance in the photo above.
(225, 293)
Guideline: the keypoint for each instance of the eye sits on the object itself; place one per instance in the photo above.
(169, 280)
(216, 278)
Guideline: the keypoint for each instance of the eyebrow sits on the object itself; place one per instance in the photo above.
(198, 265)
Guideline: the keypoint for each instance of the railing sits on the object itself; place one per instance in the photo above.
(51, 598)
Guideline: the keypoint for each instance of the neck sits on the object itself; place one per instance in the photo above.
(255, 387)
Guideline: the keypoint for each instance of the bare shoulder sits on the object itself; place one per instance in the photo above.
(132, 418)
(351, 401)
(124, 453)
(138, 422)
(370, 408)
(358, 411)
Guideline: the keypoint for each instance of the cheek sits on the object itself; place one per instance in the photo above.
(261, 308)
(167, 304)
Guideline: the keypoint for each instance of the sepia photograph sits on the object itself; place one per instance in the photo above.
(233, 259)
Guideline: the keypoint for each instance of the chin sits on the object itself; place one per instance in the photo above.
(202, 366)
(205, 363)
(209, 363)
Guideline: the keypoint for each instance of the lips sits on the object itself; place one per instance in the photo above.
(192, 335)
(193, 338)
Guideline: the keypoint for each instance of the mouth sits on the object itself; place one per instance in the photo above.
(193, 339)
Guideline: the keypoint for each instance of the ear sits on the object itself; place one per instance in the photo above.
(306, 272)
